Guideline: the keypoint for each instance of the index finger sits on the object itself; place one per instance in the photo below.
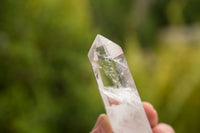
(151, 114)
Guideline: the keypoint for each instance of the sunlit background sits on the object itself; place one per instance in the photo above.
(46, 81)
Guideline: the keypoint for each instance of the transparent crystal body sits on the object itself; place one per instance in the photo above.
(117, 88)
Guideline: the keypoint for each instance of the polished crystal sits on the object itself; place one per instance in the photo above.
(117, 88)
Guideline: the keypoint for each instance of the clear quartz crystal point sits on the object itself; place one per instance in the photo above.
(117, 88)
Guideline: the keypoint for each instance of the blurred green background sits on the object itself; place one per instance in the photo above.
(46, 81)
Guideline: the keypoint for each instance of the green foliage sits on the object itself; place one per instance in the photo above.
(46, 81)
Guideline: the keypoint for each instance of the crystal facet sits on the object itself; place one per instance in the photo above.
(117, 88)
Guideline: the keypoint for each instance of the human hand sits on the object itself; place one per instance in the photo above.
(103, 125)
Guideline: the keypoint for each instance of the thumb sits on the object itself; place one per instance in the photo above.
(102, 125)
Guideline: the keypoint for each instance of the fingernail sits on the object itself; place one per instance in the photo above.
(98, 122)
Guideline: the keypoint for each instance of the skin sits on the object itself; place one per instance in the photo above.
(103, 125)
